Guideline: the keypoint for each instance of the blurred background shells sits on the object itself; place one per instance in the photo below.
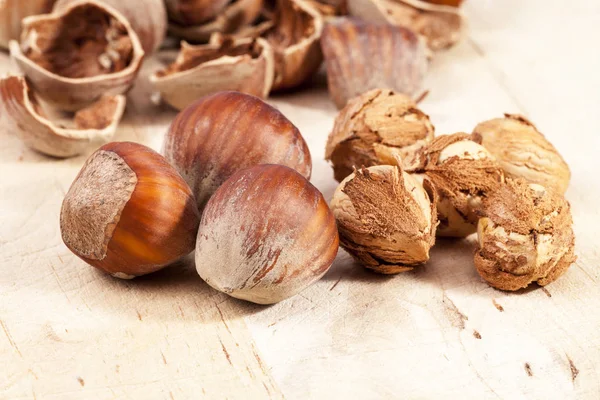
(13, 11)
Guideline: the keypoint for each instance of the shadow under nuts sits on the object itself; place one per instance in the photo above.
(386, 219)
(526, 236)
(128, 212)
(266, 234)
(223, 133)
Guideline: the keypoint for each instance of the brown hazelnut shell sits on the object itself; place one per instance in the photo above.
(68, 85)
(243, 65)
(525, 236)
(362, 56)
(379, 127)
(441, 25)
(25, 118)
(225, 132)
(266, 234)
(233, 17)
(13, 11)
(128, 212)
(194, 12)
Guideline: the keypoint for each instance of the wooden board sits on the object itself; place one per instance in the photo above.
(70, 332)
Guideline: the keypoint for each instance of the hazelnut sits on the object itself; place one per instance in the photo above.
(376, 128)
(47, 131)
(244, 65)
(265, 235)
(13, 11)
(79, 53)
(362, 56)
(524, 152)
(386, 219)
(462, 173)
(526, 236)
(128, 212)
(441, 25)
(223, 133)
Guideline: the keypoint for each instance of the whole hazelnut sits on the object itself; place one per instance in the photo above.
(386, 219)
(266, 234)
(376, 128)
(223, 133)
(462, 173)
(128, 212)
(524, 152)
(526, 236)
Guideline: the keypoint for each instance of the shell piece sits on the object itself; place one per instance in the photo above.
(524, 152)
(194, 12)
(225, 132)
(441, 25)
(74, 56)
(386, 219)
(13, 11)
(362, 56)
(149, 21)
(295, 40)
(526, 236)
(235, 16)
(265, 235)
(379, 127)
(463, 173)
(244, 65)
(24, 117)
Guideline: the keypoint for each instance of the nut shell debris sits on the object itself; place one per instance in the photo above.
(379, 127)
(526, 236)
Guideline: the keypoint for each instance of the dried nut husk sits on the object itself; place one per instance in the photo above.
(24, 117)
(74, 56)
(526, 236)
(194, 12)
(524, 152)
(386, 219)
(295, 41)
(235, 16)
(441, 25)
(463, 173)
(244, 65)
(13, 11)
(379, 127)
(362, 56)
(148, 21)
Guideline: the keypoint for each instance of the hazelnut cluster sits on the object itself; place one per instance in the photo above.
(401, 187)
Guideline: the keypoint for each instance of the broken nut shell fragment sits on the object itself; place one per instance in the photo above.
(526, 236)
(244, 65)
(363, 56)
(74, 56)
(380, 127)
(25, 118)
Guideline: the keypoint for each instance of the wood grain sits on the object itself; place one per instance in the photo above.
(70, 332)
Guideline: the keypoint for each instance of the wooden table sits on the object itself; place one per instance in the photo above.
(70, 332)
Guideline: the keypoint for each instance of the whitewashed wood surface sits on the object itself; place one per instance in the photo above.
(70, 332)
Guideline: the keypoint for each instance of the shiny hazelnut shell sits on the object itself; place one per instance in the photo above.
(220, 134)
(266, 234)
(128, 212)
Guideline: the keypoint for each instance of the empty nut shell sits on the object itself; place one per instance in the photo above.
(441, 25)
(265, 235)
(524, 152)
(386, 219)
(462, 173)
(74, 56)
(128, 212)
(362, 56)
(244, 65)
(13, 11)
(379, 127)
(526, 236)
(223, 133)
(25, 118)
